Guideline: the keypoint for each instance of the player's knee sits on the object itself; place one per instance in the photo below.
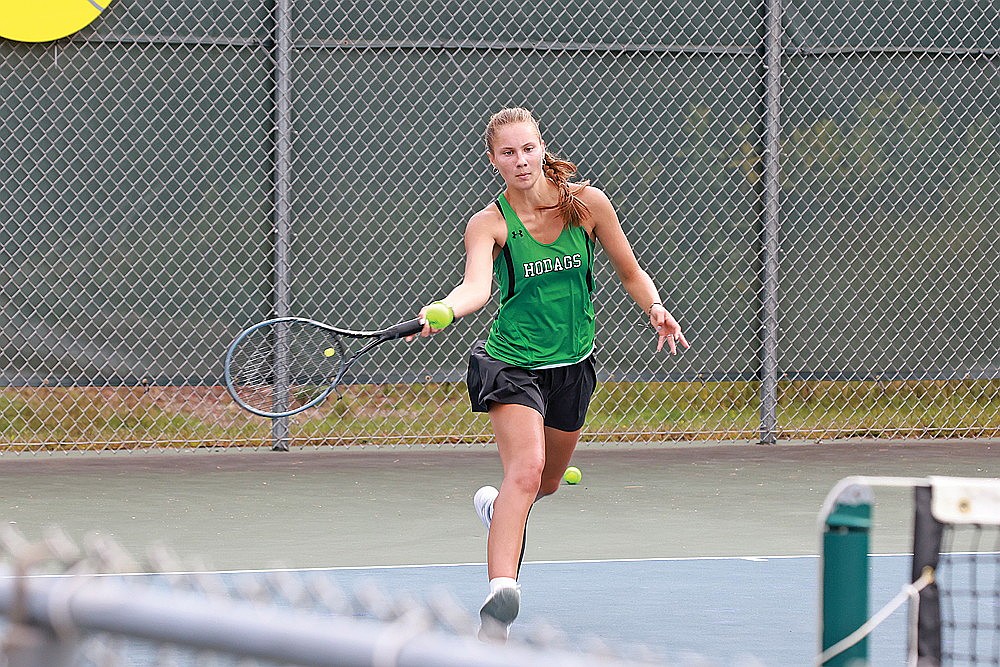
(548, 487)
(526, 477)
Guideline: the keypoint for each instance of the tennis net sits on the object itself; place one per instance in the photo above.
(954, 589)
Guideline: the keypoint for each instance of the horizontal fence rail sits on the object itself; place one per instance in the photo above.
(62, 606)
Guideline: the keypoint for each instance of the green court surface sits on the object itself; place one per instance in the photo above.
(680, 547)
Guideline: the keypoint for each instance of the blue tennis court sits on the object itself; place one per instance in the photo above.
(683, 549)
(731, 611)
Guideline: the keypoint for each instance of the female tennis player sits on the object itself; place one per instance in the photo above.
(534, 373)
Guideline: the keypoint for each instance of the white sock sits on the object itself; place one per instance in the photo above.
(497, 583)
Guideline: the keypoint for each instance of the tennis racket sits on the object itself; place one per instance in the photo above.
(286, 365)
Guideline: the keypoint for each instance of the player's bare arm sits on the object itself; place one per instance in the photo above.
(484, 234)
(607, 229)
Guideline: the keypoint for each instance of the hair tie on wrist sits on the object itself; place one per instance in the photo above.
(655, 303)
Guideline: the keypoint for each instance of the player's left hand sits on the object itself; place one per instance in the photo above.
(427, 330)
(667, 329)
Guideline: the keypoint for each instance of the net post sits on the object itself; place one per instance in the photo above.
(845, 572)
(927, 535)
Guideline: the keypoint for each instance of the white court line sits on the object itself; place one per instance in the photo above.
(359, 568)
(355, 568)
(349, 568)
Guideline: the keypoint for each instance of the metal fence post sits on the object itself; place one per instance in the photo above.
(769, 234)
(282, 193)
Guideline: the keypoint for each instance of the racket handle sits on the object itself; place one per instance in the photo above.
(403, 329)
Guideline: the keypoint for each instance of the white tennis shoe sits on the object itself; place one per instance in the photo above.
(483, 500)
(498, 612)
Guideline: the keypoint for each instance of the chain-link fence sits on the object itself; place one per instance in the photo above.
(813, 188)
(96, 606)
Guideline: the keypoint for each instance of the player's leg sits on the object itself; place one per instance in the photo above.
(569, 399)
(559, 448)
(521, 444)
(559, 445)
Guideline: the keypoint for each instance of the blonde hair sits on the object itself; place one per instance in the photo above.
(570, 207)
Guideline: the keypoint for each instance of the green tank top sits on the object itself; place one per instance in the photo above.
(546, 316)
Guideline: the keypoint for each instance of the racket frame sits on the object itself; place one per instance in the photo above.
(395, 332)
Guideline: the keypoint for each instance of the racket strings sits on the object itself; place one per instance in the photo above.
(285, 366)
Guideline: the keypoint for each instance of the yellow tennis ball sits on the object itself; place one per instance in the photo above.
(439, 315)
(329, 352)
(46, 20)
(572, 475)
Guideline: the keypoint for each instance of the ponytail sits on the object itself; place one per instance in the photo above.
(570, 207)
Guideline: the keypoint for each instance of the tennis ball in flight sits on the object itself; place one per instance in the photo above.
(329, 352)
(439, 315)
(46, 20)
(572, 475)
